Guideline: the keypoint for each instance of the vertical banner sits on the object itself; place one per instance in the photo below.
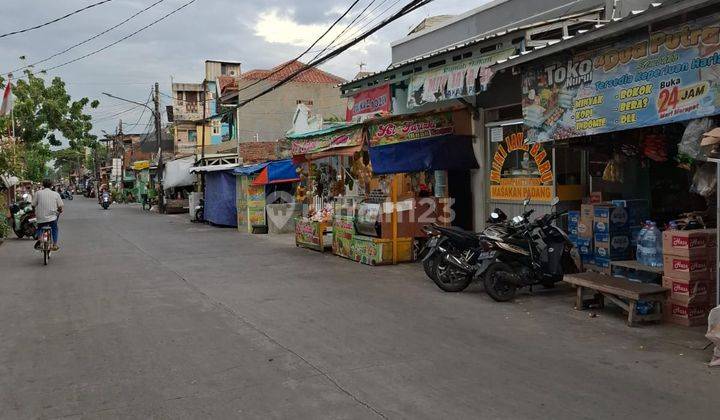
(658, 78)
(520, 170)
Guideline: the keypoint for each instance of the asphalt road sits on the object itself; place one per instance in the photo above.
(149, 316)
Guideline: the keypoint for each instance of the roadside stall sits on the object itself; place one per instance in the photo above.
(322, 157)
(142, 187)
(178, 183)
(629, 142)
(266, 189)
(220, 194)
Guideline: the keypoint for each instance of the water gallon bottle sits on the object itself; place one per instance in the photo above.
(640, 251)
(650, 246)
(658, 247)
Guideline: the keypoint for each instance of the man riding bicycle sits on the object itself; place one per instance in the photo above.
(48, 206)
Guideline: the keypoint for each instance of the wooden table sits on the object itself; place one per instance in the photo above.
(615, 289)
(634, 265)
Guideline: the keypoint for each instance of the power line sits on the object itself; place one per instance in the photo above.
(408, 8)
(123, 38)
(20, 31)
(87, 40)
(306, 50)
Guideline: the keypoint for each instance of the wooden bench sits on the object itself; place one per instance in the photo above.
(614, 289)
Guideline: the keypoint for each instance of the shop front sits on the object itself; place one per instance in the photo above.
(265, 197)
(619, 133)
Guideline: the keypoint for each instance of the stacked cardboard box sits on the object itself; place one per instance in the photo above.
(585, 234)
(611, 234)
(689, 266)
(636, 212)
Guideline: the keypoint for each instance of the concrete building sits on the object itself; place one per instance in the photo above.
(270, 117)
(494, 34)
(195, 108)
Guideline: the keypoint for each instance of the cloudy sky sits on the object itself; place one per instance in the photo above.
(257, 33)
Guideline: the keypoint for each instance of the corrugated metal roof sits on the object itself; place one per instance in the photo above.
(527, 55)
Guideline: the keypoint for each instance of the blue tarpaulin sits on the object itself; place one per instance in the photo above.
(250, 169)
(220, 201)
(449, 152)
(277, 172)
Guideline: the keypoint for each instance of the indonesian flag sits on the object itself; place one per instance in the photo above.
(7, 100)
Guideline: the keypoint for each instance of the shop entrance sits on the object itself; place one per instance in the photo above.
(460, 189)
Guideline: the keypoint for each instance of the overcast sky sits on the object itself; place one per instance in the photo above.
(258, 33)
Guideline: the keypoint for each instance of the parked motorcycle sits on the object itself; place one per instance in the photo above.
(65, 195)
(534, 253)
(22, 215)
(200, 212)
(105, 200)
(506, 256)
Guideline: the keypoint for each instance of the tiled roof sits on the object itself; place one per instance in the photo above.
(312, 75)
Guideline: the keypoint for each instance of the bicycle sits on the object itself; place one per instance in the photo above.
(46, 243)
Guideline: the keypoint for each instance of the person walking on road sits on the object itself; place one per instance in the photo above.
(48, 206)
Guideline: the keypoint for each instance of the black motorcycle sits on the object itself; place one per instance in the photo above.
(453, 257)
(65, 195)
(534, 253)
(22, 217)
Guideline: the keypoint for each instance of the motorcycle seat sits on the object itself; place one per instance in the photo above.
(457, 232)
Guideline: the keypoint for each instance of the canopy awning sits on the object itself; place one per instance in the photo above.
(446, 152)
(140, 165)
(177, 173)
(9, 180)
(277, 172)
(214, 168)
(250, 169)
(329, 141)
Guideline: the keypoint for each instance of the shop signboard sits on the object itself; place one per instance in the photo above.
(520, 170)
(334, 140)
(415, 127)
(241, 202)
(666, 76)
(368, 103)
(308, 233)
(256, 204)
(454, 80)
(366, 250)
(343, 232)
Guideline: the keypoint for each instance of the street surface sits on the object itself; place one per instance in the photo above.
(143, 315)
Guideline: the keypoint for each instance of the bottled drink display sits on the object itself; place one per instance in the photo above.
(649, 250)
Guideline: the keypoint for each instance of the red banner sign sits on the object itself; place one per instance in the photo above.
(368, 103)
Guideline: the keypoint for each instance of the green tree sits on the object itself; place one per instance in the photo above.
(42, 111)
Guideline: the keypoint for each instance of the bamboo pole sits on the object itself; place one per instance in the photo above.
(394, 194)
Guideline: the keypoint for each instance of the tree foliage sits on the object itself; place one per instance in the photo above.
(42, 111)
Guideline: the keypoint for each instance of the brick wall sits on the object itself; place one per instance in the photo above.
(261, 151)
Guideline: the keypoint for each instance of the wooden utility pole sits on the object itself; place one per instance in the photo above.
(158, 138)
(202, 142)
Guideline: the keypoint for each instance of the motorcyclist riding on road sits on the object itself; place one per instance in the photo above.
(48, 206)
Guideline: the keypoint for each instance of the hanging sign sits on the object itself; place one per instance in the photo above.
(453, 81)
(416, 127)
(520, 170)
(368, 103)
(334, 140)
(667, 76)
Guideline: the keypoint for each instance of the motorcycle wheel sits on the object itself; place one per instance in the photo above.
(449, 278)
(199, 216)
(429, 267)
(19, 233)
(500, 291)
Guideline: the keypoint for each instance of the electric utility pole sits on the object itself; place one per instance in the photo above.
(158, 138)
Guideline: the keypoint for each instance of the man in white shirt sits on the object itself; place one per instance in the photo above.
(48, 206)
